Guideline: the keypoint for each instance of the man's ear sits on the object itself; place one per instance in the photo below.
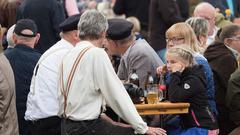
(104, 33)
(14, 38)
(76, 35)
(37, 38)
(227, 41)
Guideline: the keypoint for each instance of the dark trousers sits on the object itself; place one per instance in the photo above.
(93, 127)
(224, 122)
(46, 126)
(23, 126)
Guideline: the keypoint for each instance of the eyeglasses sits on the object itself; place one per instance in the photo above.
(175, 40)
(236, 38)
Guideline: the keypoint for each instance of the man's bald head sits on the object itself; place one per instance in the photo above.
(204, 6)
(208, 12)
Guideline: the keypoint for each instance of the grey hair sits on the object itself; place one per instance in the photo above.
(125, 40)
(228, 31)
(199, 25)
(9, 36)
(91, 25)
(183, 53)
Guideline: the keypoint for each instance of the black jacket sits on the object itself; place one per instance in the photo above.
(162, 15)
(233, 97)
(190, 86)
(137, 8)
(47, 14)
(23, 60)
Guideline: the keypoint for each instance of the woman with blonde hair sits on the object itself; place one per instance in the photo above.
(182, 33)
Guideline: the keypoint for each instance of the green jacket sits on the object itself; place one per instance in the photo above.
(221, 21)
(233, 97)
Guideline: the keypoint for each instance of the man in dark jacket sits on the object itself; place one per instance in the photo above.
(222, 58)
(232, 100)
(217, 55)
(23, 59)
(136, 8)
(163, 14)
(47, 14)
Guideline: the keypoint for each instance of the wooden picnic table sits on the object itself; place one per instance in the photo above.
(162, 108)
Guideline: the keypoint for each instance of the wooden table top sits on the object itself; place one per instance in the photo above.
(162, 108)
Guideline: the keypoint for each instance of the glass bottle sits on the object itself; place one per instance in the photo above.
(162, 88)
(133, 78)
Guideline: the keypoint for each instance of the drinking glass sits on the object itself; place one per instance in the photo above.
(152, 94)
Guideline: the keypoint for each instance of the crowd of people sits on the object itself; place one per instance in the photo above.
(64, 65)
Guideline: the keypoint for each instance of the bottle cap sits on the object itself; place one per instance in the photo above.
(162, 87)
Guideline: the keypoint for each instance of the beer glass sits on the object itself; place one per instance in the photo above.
(152, 94)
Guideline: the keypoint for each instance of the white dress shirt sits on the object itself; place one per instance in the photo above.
(42, 99)
(93, 83)
(211, 38)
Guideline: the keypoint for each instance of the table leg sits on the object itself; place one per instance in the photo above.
(161, 120)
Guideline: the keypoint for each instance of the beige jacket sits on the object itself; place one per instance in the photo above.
(8, 113)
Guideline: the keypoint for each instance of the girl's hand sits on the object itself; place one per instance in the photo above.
(162, 70)
(177, 67)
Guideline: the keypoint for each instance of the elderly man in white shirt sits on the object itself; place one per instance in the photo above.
(207, 11)
(42, 102)
(88, 81)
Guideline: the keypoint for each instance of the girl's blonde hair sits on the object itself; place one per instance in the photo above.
(185, 31)
(183, 53)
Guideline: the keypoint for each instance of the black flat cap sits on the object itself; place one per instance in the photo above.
(70, 23)
(25, 24)
(119, 29)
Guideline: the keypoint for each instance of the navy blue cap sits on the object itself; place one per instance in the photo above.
(119, 29)
(70, 23)
(25, 24)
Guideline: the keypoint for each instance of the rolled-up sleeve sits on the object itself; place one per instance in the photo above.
(115, 94)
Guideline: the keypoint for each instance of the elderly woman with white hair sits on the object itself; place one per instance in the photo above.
(200, 27)
(10, 41)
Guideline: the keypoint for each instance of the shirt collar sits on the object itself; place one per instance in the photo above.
(24, 47)
(235, 53)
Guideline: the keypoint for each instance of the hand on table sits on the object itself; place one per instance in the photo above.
(156, 131)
